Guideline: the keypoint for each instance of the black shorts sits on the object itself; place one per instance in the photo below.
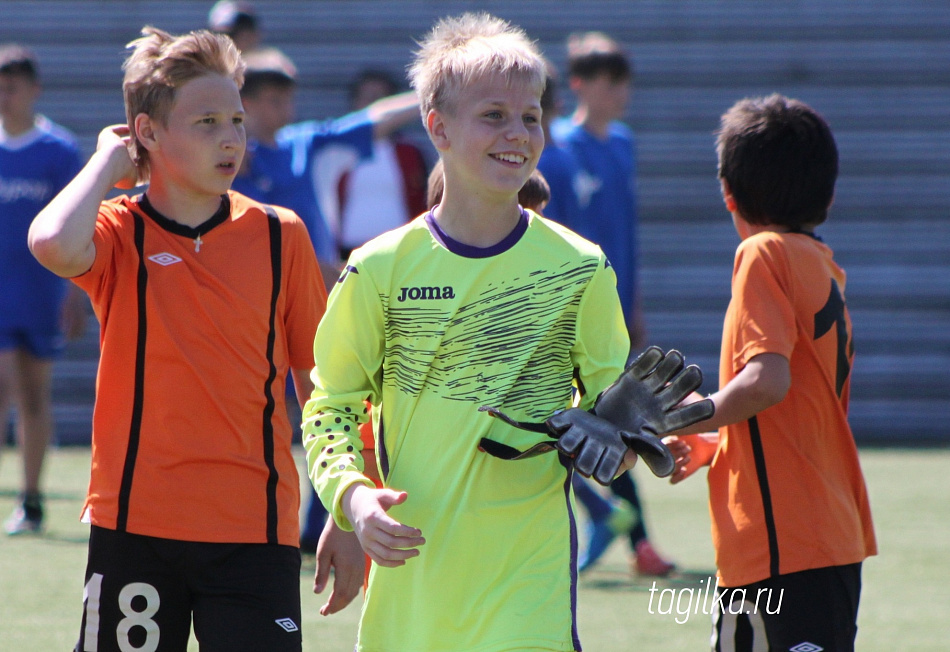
(809, 611)
(142, 592)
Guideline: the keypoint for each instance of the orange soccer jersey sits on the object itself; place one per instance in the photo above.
(786, 489)
(198, 330)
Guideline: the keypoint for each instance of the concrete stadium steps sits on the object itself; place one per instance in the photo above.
(877, 70)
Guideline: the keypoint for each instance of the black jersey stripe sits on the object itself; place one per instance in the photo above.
(572, 522)
(273, 227)
(138, 389)
(381, 448)
(758, 454)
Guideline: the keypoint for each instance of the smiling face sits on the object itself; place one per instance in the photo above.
(490, 138)
(199, 149)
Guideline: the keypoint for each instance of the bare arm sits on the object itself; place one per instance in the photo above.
(61, 234)
(762, 383)
(391, 113)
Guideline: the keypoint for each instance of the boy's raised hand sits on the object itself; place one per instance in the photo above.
(114, 142)
(387, 541)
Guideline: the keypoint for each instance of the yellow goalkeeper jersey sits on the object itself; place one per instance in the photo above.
(428, 330)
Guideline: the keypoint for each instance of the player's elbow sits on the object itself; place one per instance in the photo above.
(772, 393)
(55, 254)
(772, 379)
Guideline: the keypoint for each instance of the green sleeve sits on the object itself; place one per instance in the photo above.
(348, 354)
(601, 343)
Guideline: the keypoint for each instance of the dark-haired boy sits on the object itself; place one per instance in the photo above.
(791, 521)
(600, 75)
(37, 158)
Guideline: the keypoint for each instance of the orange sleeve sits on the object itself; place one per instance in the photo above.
(766, 318)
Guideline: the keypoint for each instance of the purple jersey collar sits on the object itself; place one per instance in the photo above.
(468, 251)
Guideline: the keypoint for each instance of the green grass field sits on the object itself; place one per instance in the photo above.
(903, 606)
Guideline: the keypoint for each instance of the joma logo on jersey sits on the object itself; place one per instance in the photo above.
(426, 293)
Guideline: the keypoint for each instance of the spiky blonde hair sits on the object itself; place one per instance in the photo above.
(462, 48)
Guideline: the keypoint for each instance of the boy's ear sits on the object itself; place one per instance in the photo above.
(145, 131)
(727, 197)
(435, 125)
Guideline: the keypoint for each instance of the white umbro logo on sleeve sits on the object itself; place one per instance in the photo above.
(287, 624)
(164, 259)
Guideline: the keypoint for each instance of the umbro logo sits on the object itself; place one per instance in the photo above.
(287, 624)
(426, 293)
(806, 647)
(165, 259)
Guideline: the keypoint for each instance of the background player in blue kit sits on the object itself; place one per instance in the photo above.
(37, 159)
(557, 164)
(600, 76)
(283, 164)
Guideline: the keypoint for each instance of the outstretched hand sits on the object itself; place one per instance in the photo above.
(691, 452)
(340, 551)
(387, 541)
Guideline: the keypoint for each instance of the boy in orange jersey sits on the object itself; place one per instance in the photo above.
(790, 515)
(206, 300)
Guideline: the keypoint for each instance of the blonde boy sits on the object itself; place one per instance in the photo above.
(206, 300)
(476, 303)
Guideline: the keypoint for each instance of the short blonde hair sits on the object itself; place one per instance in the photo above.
(160, 64)
(460, 49)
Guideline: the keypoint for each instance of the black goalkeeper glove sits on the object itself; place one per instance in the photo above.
(630, 414)
(643, 404)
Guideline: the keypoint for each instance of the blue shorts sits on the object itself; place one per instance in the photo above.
(38, 343)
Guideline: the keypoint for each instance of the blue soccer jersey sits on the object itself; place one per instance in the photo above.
(287, 175)
(606, 192)
(34, 167)
(563, 175)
